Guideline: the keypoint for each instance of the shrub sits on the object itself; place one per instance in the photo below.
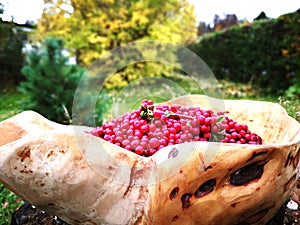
(11, 57)
(265, 53)
(50, 82)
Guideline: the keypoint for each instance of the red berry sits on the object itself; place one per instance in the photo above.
(157, 114)
(152, 127)
(152, 151)
(173, 109)
(177, 126)
(125, 143)
(248, 137)
(242, 133)
(207, 135)
(144, 128)
(238, 127)
(225, 140)
(205, 128)
(139, 150)
(208, 121)
(201, 120)
(153, 142)
(134, 144)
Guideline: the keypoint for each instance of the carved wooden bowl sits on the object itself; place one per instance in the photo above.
(85, 180)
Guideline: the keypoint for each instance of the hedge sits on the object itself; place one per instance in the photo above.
(264, 53)
(11, 57)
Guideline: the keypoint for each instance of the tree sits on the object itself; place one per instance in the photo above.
(90, 28)
(12, 39)
(261, 16)
(11, 56)
(50, 82)
(1, 10)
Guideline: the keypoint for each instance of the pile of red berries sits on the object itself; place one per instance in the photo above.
(152, 127)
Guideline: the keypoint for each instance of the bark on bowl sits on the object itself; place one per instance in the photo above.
(84, 180)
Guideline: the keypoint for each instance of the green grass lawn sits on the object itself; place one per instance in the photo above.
(10, 105)
(9, 203)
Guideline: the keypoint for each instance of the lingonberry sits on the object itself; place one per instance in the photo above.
(152, 127)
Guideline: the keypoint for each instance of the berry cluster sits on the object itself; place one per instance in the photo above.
(152, 127)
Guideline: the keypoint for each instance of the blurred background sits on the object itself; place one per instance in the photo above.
(46, 46)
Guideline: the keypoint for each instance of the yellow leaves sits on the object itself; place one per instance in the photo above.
(109, 1)
(138, 6)
(94, 39)
(123, 13)
(103, 17)
(116, 81)
(115, 25)
(141, 14)
(94, 26)
(89, 56)
(124, 36)
(139, 19)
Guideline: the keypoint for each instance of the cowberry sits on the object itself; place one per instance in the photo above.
(152, 127)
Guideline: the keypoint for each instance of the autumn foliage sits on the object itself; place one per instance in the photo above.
(91, 28)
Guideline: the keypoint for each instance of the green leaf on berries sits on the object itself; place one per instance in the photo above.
(143, 114)
(168, 113)
(150, 113)
(221, 119)
(218, 136)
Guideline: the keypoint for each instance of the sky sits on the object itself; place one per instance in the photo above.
(22, 10)
(205, 10)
